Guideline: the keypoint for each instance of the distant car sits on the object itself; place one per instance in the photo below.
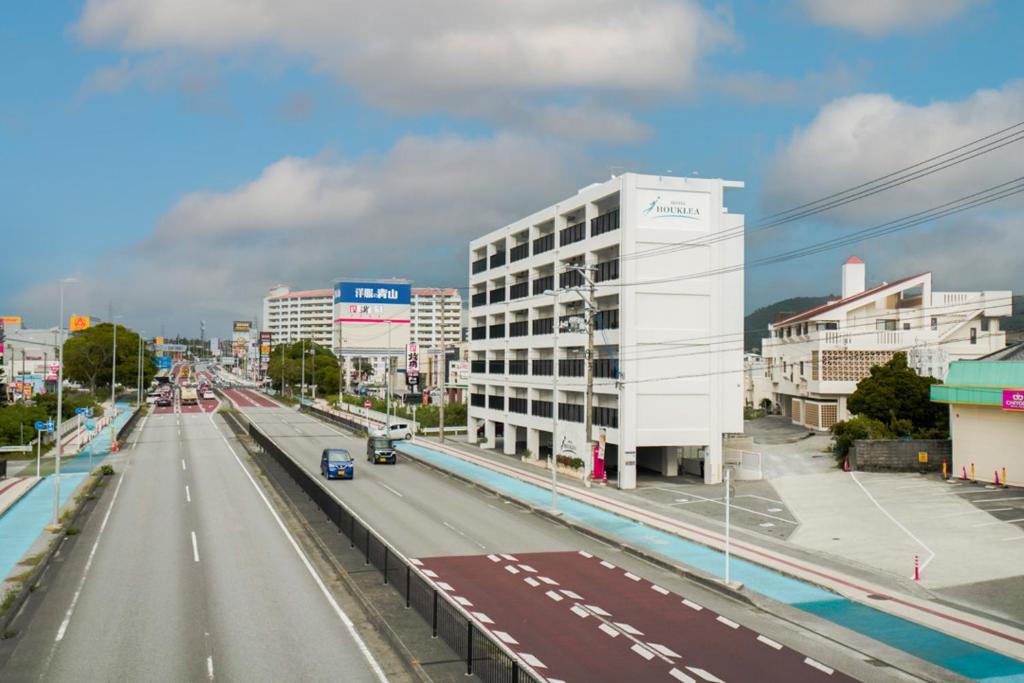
(399, 430)
(164, 400)
(337, 463)
(380, 449)
(208, 395)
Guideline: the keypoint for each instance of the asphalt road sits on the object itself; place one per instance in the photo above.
(426, 515)
(184, 573)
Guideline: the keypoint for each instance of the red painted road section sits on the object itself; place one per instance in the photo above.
(575, 617)
(248, 398)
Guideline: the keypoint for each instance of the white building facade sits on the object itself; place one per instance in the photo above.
(815, 359)
(436, 317)
(664, 392)
(291, 316)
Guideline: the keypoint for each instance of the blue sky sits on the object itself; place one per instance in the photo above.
(179, 157)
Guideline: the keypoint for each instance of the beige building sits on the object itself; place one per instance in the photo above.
(986, 415)
(290, 316)
(436, 317)
(815, 359)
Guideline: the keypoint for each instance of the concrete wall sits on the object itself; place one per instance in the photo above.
(899, 456)
(989, 437)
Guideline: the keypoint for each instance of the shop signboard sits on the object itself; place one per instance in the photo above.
(412, 363)
(1013, 399)
(372, 316)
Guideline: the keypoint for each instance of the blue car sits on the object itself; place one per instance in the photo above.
(337, 463)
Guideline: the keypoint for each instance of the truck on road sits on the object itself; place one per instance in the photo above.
(189, 396)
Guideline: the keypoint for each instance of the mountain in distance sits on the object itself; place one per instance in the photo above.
(755, 325)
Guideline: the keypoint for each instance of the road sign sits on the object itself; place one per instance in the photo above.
(922, 456)
(40, 426)
(79, 410)
(49, 425)
(367, 404)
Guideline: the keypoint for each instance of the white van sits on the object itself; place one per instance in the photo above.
(399, 430)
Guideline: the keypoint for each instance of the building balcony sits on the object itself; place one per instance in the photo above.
(479, 266)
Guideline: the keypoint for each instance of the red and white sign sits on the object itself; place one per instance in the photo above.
(367, 404)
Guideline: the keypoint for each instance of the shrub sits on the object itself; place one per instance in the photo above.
(107, 470)
(844, 433)
(572, 463)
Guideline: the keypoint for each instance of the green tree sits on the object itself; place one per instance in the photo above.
(88, 355)
(321, 368)
(897, 396)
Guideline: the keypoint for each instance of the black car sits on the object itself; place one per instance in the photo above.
(380, 449)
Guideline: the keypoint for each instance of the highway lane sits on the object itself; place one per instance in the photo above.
(190, 578)
(429, 516)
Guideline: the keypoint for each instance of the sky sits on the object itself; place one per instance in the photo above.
(179, 157)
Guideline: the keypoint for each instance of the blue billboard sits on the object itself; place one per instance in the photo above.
(163, 362)
(372, 293)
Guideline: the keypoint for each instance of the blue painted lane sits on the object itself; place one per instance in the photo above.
(21, 525)
(928, 644)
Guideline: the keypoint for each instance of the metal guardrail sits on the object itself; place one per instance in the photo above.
(485, 657)
(337, 419)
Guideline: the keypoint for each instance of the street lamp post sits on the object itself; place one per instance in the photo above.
(60, 404)
(113, 370)
(302, 384)
(139, 371)
(312, 353)
(387, 381)
(554, 401)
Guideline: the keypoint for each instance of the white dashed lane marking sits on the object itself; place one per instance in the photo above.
(692, 605)
(528, 568)
(505, 638)
(626, 628)
(482, 618)
(550, 582)
(585, 554)
(579, 611)
(494, 558)
(570, 594)
(632, 577)
(607, 564)
(510, 569)
(554, 596)
(430, 573)
(658, 589)
(444, 586)
(680, 676)
(531, 660)
(643, 652)
(609, 630)
(769, 642)
(711, 678)
(817, 665)
(532, 581)
(728, 622)
(462, 601)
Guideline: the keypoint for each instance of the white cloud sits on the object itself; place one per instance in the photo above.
(476, 58)
(410, 212)
(758, 87)
(858, 138)
(879, 17)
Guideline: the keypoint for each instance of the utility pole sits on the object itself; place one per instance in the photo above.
(387, 382)
(590, 305)
(113, 370)
(444, 367)
(302, 384)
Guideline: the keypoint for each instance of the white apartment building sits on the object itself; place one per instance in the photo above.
(815, 359)
(436, 317)
(663, 393)
(290, 316)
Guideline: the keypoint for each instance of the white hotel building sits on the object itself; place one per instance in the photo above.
(662, 393)
(290, 316)
(814, 360)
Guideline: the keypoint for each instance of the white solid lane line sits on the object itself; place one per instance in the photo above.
(188, 495)
(88, 563)
(183, 464)
(195, 547)
(209, 667)
(340, 613)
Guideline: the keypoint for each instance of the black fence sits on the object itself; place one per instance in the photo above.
(484, 657)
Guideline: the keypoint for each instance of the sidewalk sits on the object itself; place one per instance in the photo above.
(889, 611)
(12, 489)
